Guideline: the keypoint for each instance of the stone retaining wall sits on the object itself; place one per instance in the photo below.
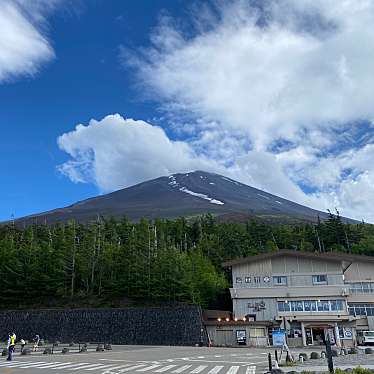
(153, 326)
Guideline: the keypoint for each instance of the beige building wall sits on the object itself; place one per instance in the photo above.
(359, 272)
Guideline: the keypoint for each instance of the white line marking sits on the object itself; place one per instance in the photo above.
(29, 365)
(149, 368)
(227, 362)
(18, 363)
(85, 367)
(99, 367)
(106, 359)
(109, 371)
(233, 370)
(198, 369)
(12, 364)
(50, 366)
(165, 368)
(251, 370)
(181, 369)
(70, 366)
(215, 370)
(132, 368)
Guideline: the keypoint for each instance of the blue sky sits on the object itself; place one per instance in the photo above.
(84, 81)
(278, 96)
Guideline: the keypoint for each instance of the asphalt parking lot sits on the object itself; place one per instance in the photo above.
(143, 359)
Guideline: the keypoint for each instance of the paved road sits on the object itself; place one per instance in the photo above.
(143, 360)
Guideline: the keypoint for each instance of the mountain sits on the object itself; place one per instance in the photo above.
(185, 195)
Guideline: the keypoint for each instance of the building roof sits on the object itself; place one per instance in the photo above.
(327, 256)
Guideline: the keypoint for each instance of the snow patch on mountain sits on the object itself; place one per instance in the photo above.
(231, 181)
(173, 183)
(201, 195)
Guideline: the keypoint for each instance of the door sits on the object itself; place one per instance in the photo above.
(225, 338)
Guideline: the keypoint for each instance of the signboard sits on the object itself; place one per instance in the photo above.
(279, 338)
(347, 332)
(241, 336)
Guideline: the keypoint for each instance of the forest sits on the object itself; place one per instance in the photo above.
(111, 263)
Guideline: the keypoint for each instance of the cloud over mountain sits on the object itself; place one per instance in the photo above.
(276, 94)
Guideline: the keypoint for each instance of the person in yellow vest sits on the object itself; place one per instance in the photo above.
(11, 345)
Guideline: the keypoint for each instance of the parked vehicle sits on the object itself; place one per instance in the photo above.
(365, 337)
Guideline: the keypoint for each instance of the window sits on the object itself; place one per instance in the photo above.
(283, 306)
(360, 309)
(319, 279)
(238, 280)
(361, 287)
(297, 306)
(257, 279)
(310, 306)
(257, 332)
(322, 306)
(336, 305)
(247, 279)
(280, 281)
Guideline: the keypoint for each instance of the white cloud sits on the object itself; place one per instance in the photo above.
(23, 45)
(274, 98)
(298, 73)
(117, 152)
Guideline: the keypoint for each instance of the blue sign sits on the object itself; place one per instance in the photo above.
(279, 338)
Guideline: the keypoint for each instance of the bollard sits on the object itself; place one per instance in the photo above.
(269, 361)
(276, 356)
(301, 359)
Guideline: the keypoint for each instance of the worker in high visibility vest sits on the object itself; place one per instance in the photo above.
(11, 345)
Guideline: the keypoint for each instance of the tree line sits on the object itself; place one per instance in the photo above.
(113, 261)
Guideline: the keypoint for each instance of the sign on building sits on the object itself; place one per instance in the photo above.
(279, 338)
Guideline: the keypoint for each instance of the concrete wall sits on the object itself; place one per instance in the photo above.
(298, 270)
(159, 326)
(226, 335)
(241, 308)
(359, 272)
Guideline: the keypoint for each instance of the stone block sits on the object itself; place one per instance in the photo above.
(314, 355)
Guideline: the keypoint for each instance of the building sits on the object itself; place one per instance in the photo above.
(307, 294)
(224, 330)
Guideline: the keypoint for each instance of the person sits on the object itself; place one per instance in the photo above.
(36, 342)
(23, 343)
(11, 345)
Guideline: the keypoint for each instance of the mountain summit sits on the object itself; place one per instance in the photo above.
(188, 194)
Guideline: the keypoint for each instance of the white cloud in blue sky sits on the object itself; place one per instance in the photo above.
(117, 152)
(23, 44)
(274, 97)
